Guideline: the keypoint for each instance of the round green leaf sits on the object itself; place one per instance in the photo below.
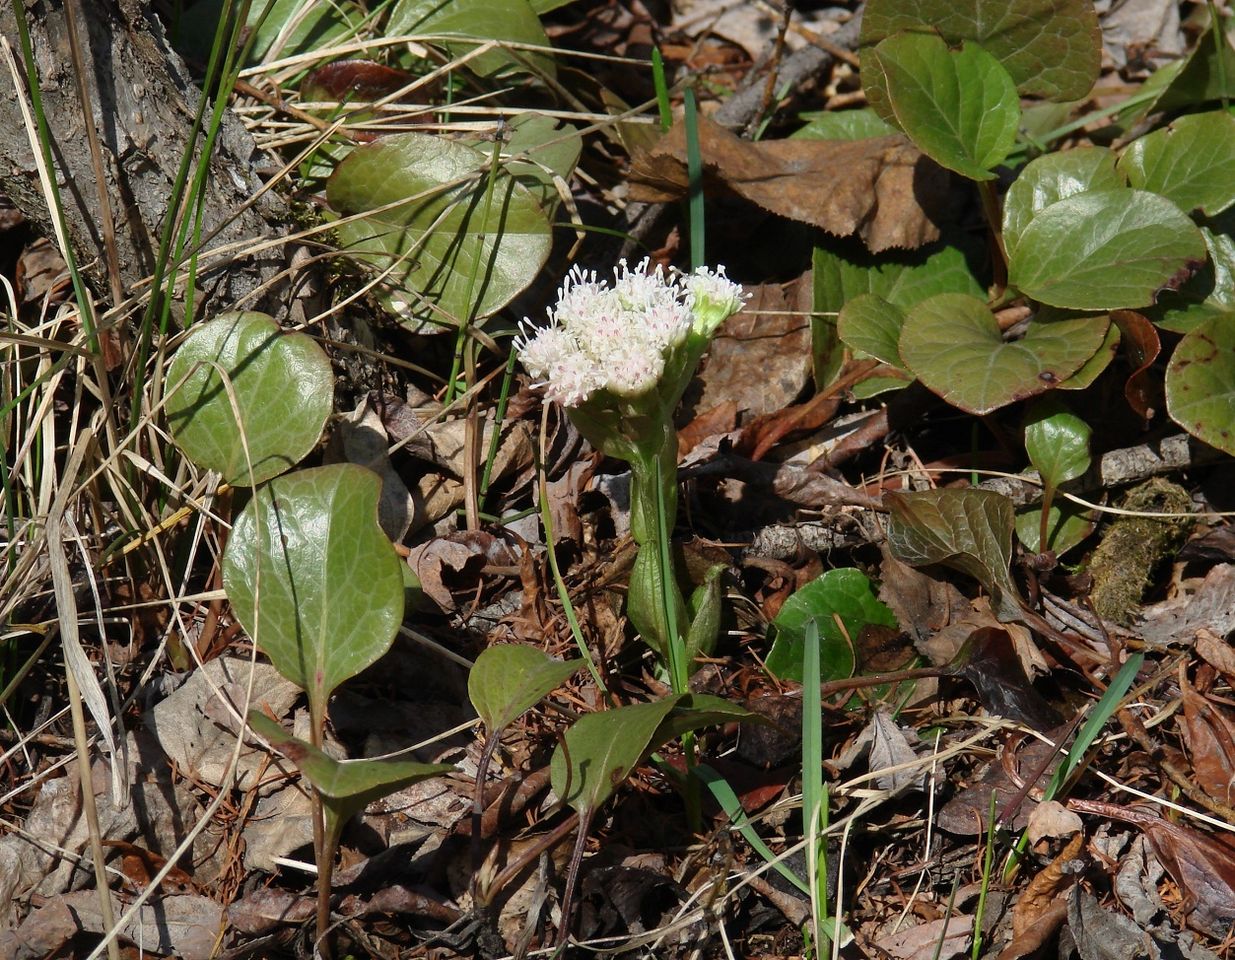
(1051, 48)
(455, 249)
(959, 107)
(541, 151)
(1092, 368)
(1210, 292)
(859, 124)
(1191, 162)
(1105, 249)
(1200, 383)
(953, 344)
(283, 389)
(1051, 178)
(871, 325)
(313, 579)
(1057, 441)
(844, 593)
(507, 679)
(475, 22)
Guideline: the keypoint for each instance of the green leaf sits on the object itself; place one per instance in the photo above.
(1092, 368)
(1210, 292)
(1200, 383)
(476, 22)
(539, 149)
(356, 783)
(968, 530)
(959, 107)
(292, 28)
(1191, 162)
(603, 748)
(1051, 48)
(869, 324)
(953, 344)
(283, 388)
(1105, 249)
(457, 252)
(844, 593)
(509, 678)
(1051, 178)
(313, 579)
(1204, 76)
(1067, 526)
(1057, 441)
(860, 124)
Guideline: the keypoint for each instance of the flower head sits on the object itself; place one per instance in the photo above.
(617, 336)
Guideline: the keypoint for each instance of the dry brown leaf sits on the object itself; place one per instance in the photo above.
(760, 358)
(939, 939)
(1050, 818)
(1209, 735)
(1049, 883)
(1215, 651)
(882, 188)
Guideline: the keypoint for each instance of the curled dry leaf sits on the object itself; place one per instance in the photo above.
(876, 188)
(1140, 338)
(456, 562)
(1053, 880)
(1052, 819)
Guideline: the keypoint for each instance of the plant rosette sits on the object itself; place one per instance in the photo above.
(618, 356)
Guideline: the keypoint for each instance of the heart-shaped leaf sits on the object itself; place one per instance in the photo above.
(871, 325)
(968, 530)
(845, 593)
(1200, 383)
(1051, 178)
(1192, 162)
(1067, 526)
(959, 107)
(458, 244)
(603, 748)
(283, 389)
(313, 579)
(953, 344)
(1051, 48)
(1057, 441)
(1105, 249)
(467, 24)
(507, 679)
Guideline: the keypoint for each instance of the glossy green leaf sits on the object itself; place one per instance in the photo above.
(953, 344)
(1067, 526)
(968, 530)
(1051, 48)
(313, 579)
(1105, 249)
(1191, 162)
(283, 389)
(509, 678)
(870, 325)
(471, 23)
(603, 748)
(1051, 178)
(1200, 383)
(355, 782)
(858, 124)
(844, 593)
(1057, 441)
(454, 250)
(960, 107)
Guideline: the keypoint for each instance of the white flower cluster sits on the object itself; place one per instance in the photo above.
(616, 336)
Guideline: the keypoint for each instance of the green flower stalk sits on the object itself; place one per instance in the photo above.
(619, 356)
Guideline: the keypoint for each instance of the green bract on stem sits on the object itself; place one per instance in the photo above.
(619, 357)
